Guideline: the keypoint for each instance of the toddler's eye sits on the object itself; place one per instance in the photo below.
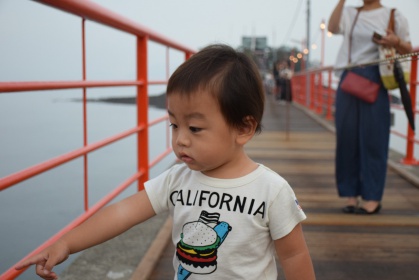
(173, 126)
(195, 129)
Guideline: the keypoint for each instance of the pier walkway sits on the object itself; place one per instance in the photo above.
(382, 246)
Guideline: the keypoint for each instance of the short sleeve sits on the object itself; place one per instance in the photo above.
(158, 191)
(345, 20)
(284, 213)
(401, 26)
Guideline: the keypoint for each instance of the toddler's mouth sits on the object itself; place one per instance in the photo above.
(185, 158)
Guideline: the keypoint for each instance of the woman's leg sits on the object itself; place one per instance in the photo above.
(347, 145)
(374, 140)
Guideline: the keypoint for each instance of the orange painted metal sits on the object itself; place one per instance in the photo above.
(305, 78)
(156, 82)
(85, 157)
(142, 115)
(167, 63)
(315, 98)
(12, 273)
(312, 91)
(32, 171)
(319, 93)
(89, 10)
(410, 158)
(188, 55)
(330, 92)
(94, 12)
(35, 86)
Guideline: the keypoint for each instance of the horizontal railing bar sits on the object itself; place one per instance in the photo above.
(34, 86)
(158, 120)
(404, 136)
(94, 12)
(401, 108)
(87, 9)
(160, 157)
(27, 173)
(398, 134)
(160, 82)
(12, 273)
(397, 107)
(22, 175)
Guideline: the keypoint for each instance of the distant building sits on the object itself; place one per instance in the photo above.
(257, 48)
(254, 43)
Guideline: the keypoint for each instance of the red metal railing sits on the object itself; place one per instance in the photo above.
(93, 12)
(321, 95)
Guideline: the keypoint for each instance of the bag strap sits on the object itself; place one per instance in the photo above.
(391, 22)
(350, 34)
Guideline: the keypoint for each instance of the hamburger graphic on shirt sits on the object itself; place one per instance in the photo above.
(200, 240)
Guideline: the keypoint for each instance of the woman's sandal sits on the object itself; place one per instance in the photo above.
(363, 211)
(349, 209)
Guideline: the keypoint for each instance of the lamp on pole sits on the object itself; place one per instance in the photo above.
(308, 32)
(323, 29)
(304, 52)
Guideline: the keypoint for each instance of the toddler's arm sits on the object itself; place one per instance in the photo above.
(106, 224)
(294, 256)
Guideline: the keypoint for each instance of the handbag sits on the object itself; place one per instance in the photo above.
(357, 85)
(360, 87)
(387, 68)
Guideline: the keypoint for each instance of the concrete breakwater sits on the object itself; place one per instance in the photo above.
(157, 101)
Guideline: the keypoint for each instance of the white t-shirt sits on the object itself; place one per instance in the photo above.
(363, 48)
(224, 228)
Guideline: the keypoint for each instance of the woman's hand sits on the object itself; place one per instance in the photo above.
(47, 259)
(391, 40)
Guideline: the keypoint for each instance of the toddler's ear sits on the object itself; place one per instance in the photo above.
(246, 132)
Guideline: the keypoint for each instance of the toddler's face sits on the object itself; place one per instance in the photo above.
(201, 138)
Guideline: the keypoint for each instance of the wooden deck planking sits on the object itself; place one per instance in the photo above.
(383, 246)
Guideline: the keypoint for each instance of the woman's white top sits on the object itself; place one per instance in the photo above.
(363, 49)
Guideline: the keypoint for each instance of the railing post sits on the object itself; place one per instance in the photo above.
(320, 92)
(304, 96)
(329, 115)
(85, 142)
(187, 55)
(410, 144)
(167, 63)
(312, 87)
(142, 111)
(296, 88)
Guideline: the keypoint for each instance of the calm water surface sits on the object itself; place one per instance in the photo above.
(37, 126)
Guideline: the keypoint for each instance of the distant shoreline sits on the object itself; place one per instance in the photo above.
(157, 101)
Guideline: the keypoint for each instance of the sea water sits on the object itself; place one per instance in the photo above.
(35, 127)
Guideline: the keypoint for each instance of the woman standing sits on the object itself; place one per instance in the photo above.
(362, 129)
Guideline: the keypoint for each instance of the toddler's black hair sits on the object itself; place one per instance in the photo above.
(230, 76)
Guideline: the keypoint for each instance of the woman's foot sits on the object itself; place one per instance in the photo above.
(351, 205)
(369, 208)
(349, 209)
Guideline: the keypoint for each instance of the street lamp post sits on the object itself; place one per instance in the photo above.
(323, 29)
(304, 52)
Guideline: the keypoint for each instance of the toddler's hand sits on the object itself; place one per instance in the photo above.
(46, 260)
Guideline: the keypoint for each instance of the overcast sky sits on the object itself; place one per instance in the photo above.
(36, 40)
(197, 23)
